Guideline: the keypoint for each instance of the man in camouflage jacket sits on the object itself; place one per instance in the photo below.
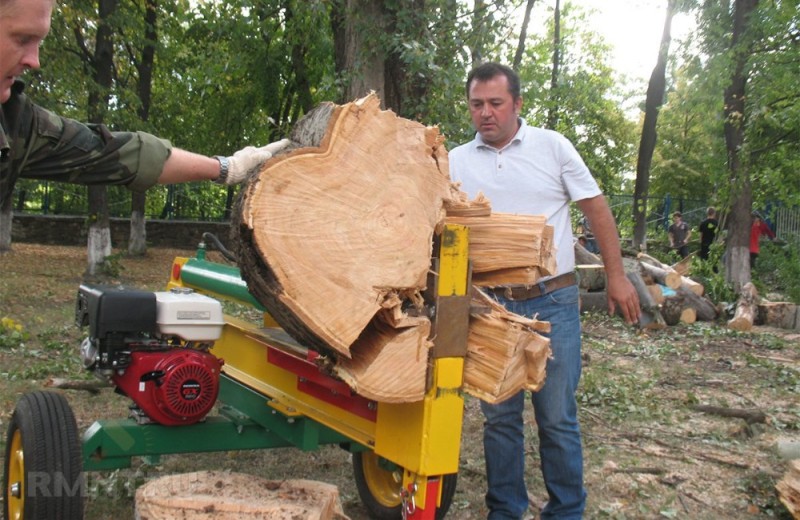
(36, 143)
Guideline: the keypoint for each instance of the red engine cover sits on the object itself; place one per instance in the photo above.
(172, 387)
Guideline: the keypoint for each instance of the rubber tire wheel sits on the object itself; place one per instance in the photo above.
(42, 477)
(379, 488)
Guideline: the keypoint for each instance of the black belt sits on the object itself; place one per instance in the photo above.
(527, 292)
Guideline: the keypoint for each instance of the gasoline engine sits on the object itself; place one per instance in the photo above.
(154, 347)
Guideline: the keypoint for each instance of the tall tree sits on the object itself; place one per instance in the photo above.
(101, 63)
(647, 142)
(555, 91)
(137, 243)
(737, 259)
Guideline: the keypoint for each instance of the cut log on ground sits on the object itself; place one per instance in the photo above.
(584, 256)
(789, 489)
(777, 314)
(220, 495)
(651, 315)
(591, 277)
(746, 309)
(665, 277)
(705, 309)
(676, 310)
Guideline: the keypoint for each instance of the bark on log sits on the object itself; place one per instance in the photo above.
(777, 314)
(693, 286)
(584, 256)
(219, 495)
(651, 315)
(665, 277)
(746, 309)
(684, 266)
(706, 311)
(656, 293)
(591, 277)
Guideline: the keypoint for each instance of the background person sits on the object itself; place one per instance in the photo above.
(757, 229)
(708, 232)
(528, 170)
(679, 234)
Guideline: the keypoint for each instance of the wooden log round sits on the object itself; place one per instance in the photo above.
(328, 235)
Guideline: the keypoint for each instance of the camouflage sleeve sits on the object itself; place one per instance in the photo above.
(62, 149)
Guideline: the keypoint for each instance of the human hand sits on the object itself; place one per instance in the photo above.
(622, 294)
(248, 160)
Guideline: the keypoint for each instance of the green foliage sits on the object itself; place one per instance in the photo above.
(711, 274)
(12, 334)
(778, 269)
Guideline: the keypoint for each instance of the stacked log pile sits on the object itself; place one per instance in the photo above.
(335, 239)
(669, 296)
(666, 294)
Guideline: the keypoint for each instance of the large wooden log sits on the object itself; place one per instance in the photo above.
(335, 240)
(777, 314)
(663, 276)
(651, 314)
(220, 495)
(591, 277)
(704, 308)
(327, 235)
(789, 488)
(746, 309)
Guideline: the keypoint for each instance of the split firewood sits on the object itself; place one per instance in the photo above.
(777, 314)
(746, 308)
(505, 241)
(789, 489)
(221, 495)
(505, 354)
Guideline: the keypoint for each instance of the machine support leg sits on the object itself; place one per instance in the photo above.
(413, 511)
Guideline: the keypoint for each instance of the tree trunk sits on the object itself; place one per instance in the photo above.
(137, 244)
(523, 34)
(647, 144)
(737, 259)
(6, 219)
(555, 92)
(360, 60)
(102, 63)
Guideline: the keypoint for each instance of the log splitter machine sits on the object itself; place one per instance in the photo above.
(201, 381)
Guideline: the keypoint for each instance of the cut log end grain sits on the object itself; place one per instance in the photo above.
(220, 495)
(789, 489)
(326, 232)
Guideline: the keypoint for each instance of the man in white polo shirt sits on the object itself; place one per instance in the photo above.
(523, 169)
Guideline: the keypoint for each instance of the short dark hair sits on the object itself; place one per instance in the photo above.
(489, 70)
(677, 214)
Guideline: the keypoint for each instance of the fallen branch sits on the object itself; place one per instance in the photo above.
(93, 387)
(749, 416)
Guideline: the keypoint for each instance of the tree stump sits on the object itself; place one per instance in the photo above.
(219, 495)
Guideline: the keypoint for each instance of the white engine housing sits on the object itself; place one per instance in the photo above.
(189, 315)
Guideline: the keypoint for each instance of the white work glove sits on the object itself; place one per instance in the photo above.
(247, 161)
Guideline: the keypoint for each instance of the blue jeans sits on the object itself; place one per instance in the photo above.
(555, 409)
